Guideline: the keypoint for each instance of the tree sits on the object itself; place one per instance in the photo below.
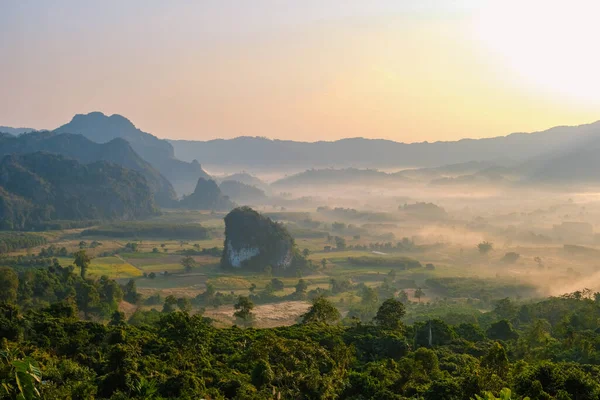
(390, 314)
(188, 263)
(496, 360)
(322, 311)
(502, 330)
(485, 247)
(9, 284)
(403, 297)
(244, 307)
(511, 257)
(277, 284)
(505, 309)
(419, 293)
(170, 303)
(306, 252)
(152, 275)
(130, 293)
(82, 260)
(184, 304)
(340, 243)
(132, 246)
(301, 286)
(252, 288)
(369, 296)
(324, 262)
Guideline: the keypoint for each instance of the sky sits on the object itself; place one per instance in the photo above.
(406, 70)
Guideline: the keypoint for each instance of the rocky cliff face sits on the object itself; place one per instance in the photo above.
(254, 241)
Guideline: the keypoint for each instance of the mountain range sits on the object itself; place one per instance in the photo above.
(159, 153)
(16, 131)
(257, 153)
(565, 154)
(39, 187)
(78, 147)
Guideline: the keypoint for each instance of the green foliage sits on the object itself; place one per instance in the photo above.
(11, 241)
(502, 330)
(243, 313)
(505, 394)
(82, 260)
(322, 311)
(188, 263)
(177, 355)
(390, 314)
(9, 284)
(24, 375)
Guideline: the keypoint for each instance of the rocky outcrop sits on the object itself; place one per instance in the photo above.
(254, 241)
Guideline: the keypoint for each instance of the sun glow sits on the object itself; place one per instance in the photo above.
(550, 45)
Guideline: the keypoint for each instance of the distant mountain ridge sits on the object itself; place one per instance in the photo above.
(159, 153)
(257, 152)
(345, 176)
(16, 131)
(82, 149)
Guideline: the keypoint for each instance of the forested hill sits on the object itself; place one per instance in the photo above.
(39, 187)
(80, 148)
(101, 128)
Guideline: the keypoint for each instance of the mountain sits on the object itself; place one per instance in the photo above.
(16, 131)
(206, 196)
(261, 153)
(346, 176)
(242, 193)
(246, 178)
(253, 241)
(40, 187)
(159, 153)
(571, 165)
(85, 151)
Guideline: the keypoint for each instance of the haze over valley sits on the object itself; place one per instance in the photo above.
(299, 200)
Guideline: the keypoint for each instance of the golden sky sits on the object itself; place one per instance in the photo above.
(315, 70)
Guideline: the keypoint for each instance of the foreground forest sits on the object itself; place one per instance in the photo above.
(64, 337)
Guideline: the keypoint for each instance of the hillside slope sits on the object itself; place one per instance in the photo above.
(159, 153)
(40, 187)
(85, 151)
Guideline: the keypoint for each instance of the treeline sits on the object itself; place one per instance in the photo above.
(484, 289)
(151, 230)
(11, 241)
(544, 350)
(392, 262)
(36, 288)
